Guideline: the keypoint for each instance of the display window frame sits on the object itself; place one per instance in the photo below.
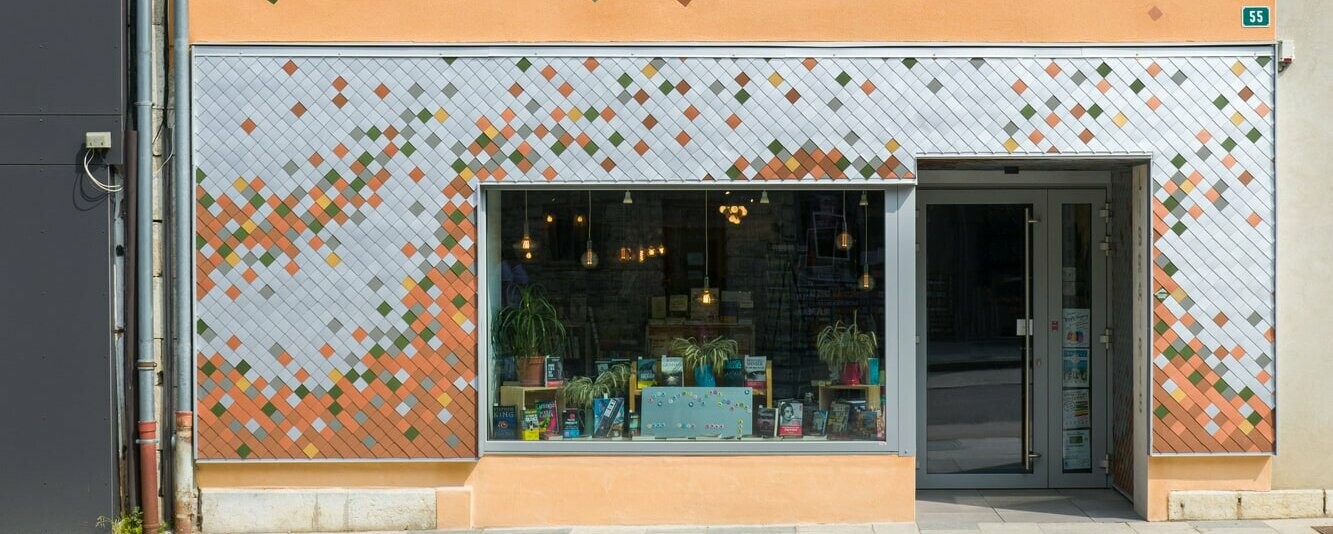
(897, 349)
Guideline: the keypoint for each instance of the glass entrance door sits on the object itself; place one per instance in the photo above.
(1008, 302)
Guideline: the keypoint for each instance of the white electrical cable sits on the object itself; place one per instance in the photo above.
(108, 187)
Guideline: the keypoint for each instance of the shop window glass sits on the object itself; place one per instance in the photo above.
(687, 315)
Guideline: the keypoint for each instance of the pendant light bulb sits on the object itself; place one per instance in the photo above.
(866, 282)
(844, 240)
(526, 244)
(589, 259)
(763, 197)
(629, 199)
(706, 296)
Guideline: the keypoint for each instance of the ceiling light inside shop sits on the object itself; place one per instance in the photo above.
(734, 213)
(844, 240)
(865, 282)
(589, 259)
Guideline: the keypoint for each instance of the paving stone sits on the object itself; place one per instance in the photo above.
(838, 529)
(1162, 527)
(895, 528)
(764, 529)
(1085, 528)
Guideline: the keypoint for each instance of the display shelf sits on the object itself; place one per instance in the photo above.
(766, 392)
(525, 397)
(866, 392)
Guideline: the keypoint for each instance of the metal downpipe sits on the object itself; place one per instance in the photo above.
(143, 264)
(186, 502)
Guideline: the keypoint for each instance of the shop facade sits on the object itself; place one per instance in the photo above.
(1062, 256)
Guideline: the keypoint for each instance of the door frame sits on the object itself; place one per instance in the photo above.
(1047, 431)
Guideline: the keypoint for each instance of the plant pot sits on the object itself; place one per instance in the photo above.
(703, 376)
(531, 370)
(851, 374)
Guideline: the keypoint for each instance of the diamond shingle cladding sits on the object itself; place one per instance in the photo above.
(336, 277)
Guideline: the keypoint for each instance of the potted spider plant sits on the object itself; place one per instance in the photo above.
(529, 330)
(846, 348)
(706, 357)
(580, 391)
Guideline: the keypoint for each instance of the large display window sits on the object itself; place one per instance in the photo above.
(685, 316)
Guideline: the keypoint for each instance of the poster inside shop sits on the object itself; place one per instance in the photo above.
(1078, 450)
(1077, 409)
(1075, 368)
(1077, 327)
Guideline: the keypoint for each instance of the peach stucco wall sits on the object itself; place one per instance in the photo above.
(888, 21)
(1170, 473)
(620, 490)
(676, 490)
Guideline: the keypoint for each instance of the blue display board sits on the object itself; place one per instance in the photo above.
(694, 412)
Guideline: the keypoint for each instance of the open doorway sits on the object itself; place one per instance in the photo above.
(1025, 309)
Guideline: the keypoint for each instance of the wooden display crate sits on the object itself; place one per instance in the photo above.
(526, 397)
(866, 392)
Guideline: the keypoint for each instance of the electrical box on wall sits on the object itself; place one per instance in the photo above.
(97, 140)
(1286, 53)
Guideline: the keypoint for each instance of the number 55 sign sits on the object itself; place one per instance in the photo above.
(1255, 17)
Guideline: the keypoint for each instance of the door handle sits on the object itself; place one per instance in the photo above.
(1028, 455)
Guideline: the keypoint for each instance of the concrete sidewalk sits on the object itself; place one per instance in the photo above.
(1280, 526)
(980, 512)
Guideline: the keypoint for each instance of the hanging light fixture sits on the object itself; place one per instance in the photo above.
(706, 296)
(589, 259)
(844, 240)
(763, 197)
(734, 213)
(865, 282)
(628, 199)
(525, 244)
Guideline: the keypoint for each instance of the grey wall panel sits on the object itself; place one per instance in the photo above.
(58, 139)
(67, 56)
(63, 75)
(57, 460)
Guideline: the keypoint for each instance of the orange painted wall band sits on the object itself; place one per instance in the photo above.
(681, 21)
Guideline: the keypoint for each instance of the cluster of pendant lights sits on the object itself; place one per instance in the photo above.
(734, 214)
(641, 253)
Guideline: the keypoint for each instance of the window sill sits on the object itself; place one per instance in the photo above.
(685, 447)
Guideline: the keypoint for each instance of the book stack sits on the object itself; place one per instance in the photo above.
(845, 418)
